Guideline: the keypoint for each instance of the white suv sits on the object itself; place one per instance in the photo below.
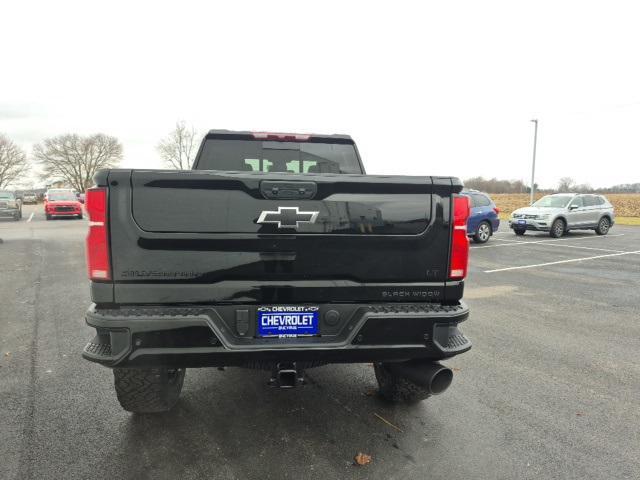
(561, 212)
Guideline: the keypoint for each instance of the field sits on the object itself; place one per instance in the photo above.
(627, 205)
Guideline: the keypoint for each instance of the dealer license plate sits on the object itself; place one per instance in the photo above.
(287, 321)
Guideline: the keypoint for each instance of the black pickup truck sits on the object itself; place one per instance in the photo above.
(275, 252)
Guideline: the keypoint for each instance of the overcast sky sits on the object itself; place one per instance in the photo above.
(425, 88)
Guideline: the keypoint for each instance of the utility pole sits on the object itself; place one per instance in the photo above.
(533, 166)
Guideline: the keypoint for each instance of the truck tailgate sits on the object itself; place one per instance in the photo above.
(210, 236)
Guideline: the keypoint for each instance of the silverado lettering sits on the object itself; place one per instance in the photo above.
(158, 273)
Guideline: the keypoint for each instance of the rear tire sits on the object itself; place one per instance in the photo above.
(396, 389)
(483, 233)
(603, 226)
(519, 231)
(148, 390)
(557, 228)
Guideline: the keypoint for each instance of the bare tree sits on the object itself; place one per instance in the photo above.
(566, 184)
(583, 188)
(77, 158)
(494, 185)
(13, 162)
(179, 148)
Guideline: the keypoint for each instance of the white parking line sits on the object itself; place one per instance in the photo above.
(30, 217)
(522, 267)
(585, 248)
(509, 240)
(520, 242)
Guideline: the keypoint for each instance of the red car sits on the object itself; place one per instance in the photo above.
(62, 203)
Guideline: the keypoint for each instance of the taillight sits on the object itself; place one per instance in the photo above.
(286, 137)
(97, 239)
(459, 240)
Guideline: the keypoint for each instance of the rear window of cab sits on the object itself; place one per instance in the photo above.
(275, 156)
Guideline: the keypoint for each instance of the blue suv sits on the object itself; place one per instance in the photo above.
(483, 218)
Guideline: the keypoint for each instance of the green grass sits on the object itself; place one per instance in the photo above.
(628, 221)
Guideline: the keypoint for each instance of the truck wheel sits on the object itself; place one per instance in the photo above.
(603, 226)
(396, 389)
(483, 233)
(148, 390)
(557, 228)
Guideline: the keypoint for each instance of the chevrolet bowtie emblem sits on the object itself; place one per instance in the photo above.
(287, 217)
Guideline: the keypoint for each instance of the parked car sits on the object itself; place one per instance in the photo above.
(483, 217)
(324, 268)
(30, 198)
(10, 206)
(561, 212)
(62, 203)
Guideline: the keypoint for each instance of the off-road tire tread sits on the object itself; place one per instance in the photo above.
(396, 389)
(148, 390)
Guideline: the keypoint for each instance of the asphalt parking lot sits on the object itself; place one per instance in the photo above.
(550, 389)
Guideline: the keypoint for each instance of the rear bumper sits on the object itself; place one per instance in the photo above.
(203, 336)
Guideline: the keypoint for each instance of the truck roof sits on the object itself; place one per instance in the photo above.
(279, 136)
